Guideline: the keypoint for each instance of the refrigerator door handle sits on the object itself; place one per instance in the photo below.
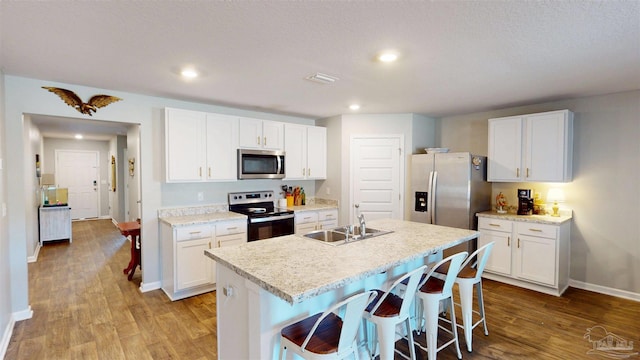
(433, 197)
(429, 198)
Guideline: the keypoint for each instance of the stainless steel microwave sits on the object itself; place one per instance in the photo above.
(260, 164)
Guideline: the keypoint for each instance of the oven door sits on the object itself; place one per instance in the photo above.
(265, 228)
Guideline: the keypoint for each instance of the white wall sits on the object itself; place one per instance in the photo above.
(6, 324)
(417, 131)
(605, 192)
(25, 96)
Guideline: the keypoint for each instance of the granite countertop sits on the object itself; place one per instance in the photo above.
(539, 219)
(186, 220)
(277, 266)
(311, 207)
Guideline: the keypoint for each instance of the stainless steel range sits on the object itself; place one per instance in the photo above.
(265, 220)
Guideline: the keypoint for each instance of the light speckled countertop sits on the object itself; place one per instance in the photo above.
(186, 220)
(311, 207)
(279, 266)
(539, 219)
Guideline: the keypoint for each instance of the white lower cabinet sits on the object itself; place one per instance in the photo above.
(55, 223)
(186, 270)
(308, 221)
(527, 254)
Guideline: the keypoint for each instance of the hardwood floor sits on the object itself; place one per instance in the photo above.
(84, 308)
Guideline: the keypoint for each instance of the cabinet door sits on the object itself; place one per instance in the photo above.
(184, 145)
(536, 259)
(505, 149)
(231, 240)
(272, 135)
(316, 152)
(296, 151)
(545, 147)
(500, 259)
(250, 133)
(193, 268)
(305, 228)
(222, 145)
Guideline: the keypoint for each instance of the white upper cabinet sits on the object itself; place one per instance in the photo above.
(306, 152)
(185, 145)
(200, 146)
(533, 147)
(261, 134)
(222, 145)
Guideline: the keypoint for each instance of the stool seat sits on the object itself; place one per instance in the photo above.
(326, 337)
(389, 307)
(432, 286)
(467, 272)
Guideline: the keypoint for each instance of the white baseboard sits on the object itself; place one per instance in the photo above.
(23, 315)
(6, 337)
(145, 287)
(33, 258)
(605, 290)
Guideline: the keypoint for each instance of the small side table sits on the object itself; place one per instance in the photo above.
(132, 228)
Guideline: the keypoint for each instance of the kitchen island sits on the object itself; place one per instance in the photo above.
(264, 285)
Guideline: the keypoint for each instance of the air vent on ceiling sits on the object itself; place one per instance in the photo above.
(322, 78)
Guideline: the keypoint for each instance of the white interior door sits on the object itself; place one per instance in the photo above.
(78, 171)
(377, 177)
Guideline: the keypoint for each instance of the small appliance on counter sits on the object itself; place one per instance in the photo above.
(525, 202)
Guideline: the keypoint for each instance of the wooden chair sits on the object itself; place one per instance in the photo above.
(327, 335)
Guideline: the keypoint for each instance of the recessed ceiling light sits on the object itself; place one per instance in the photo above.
(78, 136)
(354, 107)
(189, 73)
(388, 56)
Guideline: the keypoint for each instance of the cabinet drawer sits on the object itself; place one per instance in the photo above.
(193, 232)
(306, 217)
(328, 215)
(235, 227)
(494, 224)
(539, 230)
(231, 240)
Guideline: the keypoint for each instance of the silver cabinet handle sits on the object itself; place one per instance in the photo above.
(536, 230)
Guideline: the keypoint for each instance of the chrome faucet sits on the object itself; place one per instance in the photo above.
(363, 225)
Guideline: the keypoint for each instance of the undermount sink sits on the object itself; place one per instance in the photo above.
(338, 236)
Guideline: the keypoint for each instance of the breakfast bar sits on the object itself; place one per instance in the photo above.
(264, 285)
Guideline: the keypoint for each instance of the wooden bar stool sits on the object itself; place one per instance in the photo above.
(389, 310)
(431, 292)
(470, 276)
(328, 335)
(132, 228)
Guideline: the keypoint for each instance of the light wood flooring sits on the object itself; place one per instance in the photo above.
(84, 308)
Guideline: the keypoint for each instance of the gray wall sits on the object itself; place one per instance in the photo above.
(605, 192)
(50, 146)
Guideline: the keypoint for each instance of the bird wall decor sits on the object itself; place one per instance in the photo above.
(73, 100)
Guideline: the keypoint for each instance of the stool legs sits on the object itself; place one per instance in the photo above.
(466, 303)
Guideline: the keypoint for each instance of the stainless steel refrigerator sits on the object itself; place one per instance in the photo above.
(449, 189)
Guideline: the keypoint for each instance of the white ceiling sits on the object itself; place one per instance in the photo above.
(456, 56)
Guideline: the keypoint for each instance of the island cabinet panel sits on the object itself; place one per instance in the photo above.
(186, 271)
(200, 146)
(527, 253)
(533, 147)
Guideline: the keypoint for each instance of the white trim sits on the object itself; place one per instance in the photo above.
(605, 290)
(146, 287)
(6, 337)
(23, 315)
(33, 258)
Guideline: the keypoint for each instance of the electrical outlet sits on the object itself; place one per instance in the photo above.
(328, 191)
(200, 196)
(227, 291)
(4, 209)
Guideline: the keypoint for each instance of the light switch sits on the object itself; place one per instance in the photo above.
(4, 209)
(200, 196)
(0, 164)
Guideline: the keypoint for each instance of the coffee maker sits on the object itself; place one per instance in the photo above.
(525, 202)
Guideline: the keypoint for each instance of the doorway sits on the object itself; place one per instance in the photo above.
(377, 177)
